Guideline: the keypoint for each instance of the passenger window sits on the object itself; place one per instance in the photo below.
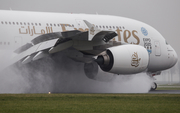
(24, 23)
(32, 24)
(10, 23)
(13, 23)
(21, 23)
(39, 24)
(5, 22)
(28, 23)
(47, 24)
(55, 25)
(17, 23)
(50, 24)
(2, 22)
(36, 24)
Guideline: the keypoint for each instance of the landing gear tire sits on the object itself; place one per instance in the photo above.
(153, 86)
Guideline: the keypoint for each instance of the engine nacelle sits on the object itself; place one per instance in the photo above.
(124, 59)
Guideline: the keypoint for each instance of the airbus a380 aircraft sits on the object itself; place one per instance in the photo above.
(118, 45)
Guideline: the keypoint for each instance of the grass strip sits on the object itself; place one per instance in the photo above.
(88, 103)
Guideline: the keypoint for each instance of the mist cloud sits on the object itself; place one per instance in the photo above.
(59, 74)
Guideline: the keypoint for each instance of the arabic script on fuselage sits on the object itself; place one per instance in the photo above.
(124, 34)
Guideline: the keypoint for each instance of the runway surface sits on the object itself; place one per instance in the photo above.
(165, 92)
(150, 92)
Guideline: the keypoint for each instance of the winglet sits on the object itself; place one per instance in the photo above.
(93, 30)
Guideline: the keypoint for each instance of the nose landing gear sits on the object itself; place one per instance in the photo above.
(153, 86)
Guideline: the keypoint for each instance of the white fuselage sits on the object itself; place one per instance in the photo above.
(19, 27)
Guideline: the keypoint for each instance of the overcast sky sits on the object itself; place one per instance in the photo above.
(163, 15)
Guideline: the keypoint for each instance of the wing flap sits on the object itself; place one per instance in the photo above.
(40, 55)
(46, 45)
(27, 60)
(61, 46)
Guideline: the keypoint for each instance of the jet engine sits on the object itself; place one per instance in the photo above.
(93, 72)
(124, 59)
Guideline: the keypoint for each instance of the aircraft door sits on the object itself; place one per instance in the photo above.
(17, 42)
(157, 48)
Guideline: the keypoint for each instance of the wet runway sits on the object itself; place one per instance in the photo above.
(165, 92)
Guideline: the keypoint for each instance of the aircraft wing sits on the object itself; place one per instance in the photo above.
(47, 44)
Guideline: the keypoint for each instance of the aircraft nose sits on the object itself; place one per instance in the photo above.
(172, 55)
(175, 57)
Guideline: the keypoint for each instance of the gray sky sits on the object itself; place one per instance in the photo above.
(163, 15)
